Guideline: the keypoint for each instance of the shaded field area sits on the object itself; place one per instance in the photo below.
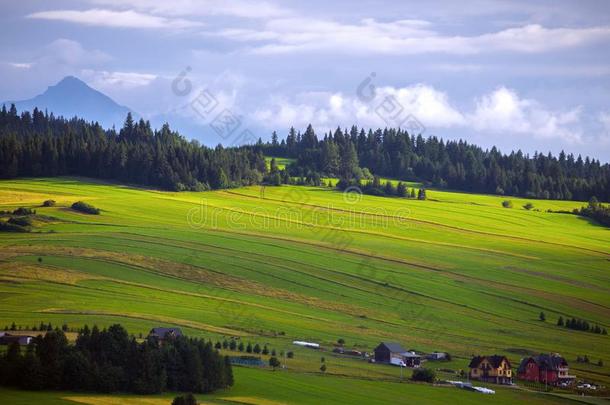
(257, 387)
(456, 273)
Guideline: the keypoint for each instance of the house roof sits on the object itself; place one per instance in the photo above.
(8, 339)
(545, 361)
(161, 332)
(410, 355)
(494, 360)
(393, 347)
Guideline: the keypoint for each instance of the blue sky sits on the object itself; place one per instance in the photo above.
(530, 75)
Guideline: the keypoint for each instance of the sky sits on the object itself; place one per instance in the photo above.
(529, 75)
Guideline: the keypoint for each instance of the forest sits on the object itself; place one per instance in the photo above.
(455, 165)
(39, 144)
(109, 360)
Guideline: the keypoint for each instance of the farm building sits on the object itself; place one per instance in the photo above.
(387, 351)
(437, 356)
(545, 368)
(494, 369)
(7, 339)
(161, 334)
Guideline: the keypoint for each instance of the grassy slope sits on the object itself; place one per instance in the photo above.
(457, 273)
(273, 388)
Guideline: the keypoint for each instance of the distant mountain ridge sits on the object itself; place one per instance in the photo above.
(72, 97)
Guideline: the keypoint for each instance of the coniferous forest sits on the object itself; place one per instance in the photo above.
(39, 144)
(109, 360)
(454, 165)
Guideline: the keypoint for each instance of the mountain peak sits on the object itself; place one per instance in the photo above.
(73, 97)
(71, 80)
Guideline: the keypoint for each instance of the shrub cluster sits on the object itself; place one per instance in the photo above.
(423, 374)
(596, 211)
(86, 208)
(19, 220)
(22, 211)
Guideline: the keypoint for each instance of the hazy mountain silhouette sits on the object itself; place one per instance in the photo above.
(73, 97)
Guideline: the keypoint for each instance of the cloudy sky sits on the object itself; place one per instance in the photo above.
(530, 75)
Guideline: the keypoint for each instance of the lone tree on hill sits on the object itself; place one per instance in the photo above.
(274, 362)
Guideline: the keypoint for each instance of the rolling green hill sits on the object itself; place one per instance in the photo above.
(456, 273)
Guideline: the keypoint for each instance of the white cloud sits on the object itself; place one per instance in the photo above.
(502, 111)
(116, 19)
(329, 110)
(499, 113)
(404, 37)
(235, 8)
(126, 80)
(69, 52)
(20, 65)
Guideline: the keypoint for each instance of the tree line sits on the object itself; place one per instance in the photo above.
(40, 144)
(448, 164)
(581, 324)
(109, 360)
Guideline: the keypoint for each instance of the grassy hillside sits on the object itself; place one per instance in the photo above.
(456, 273)
(257, 387)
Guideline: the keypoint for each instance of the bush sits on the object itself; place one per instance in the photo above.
(528, 206)
(423, 374)
(86, 208)
(21, 211)
(188, 399)
(48, 203)
(9, 227)
(507, 204)
(21, 221)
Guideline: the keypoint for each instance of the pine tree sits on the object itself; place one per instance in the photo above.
(401, 189)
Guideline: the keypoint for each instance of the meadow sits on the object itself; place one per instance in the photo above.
(269, 265)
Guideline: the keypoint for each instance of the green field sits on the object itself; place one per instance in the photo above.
(257, 387)
(455, 273)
